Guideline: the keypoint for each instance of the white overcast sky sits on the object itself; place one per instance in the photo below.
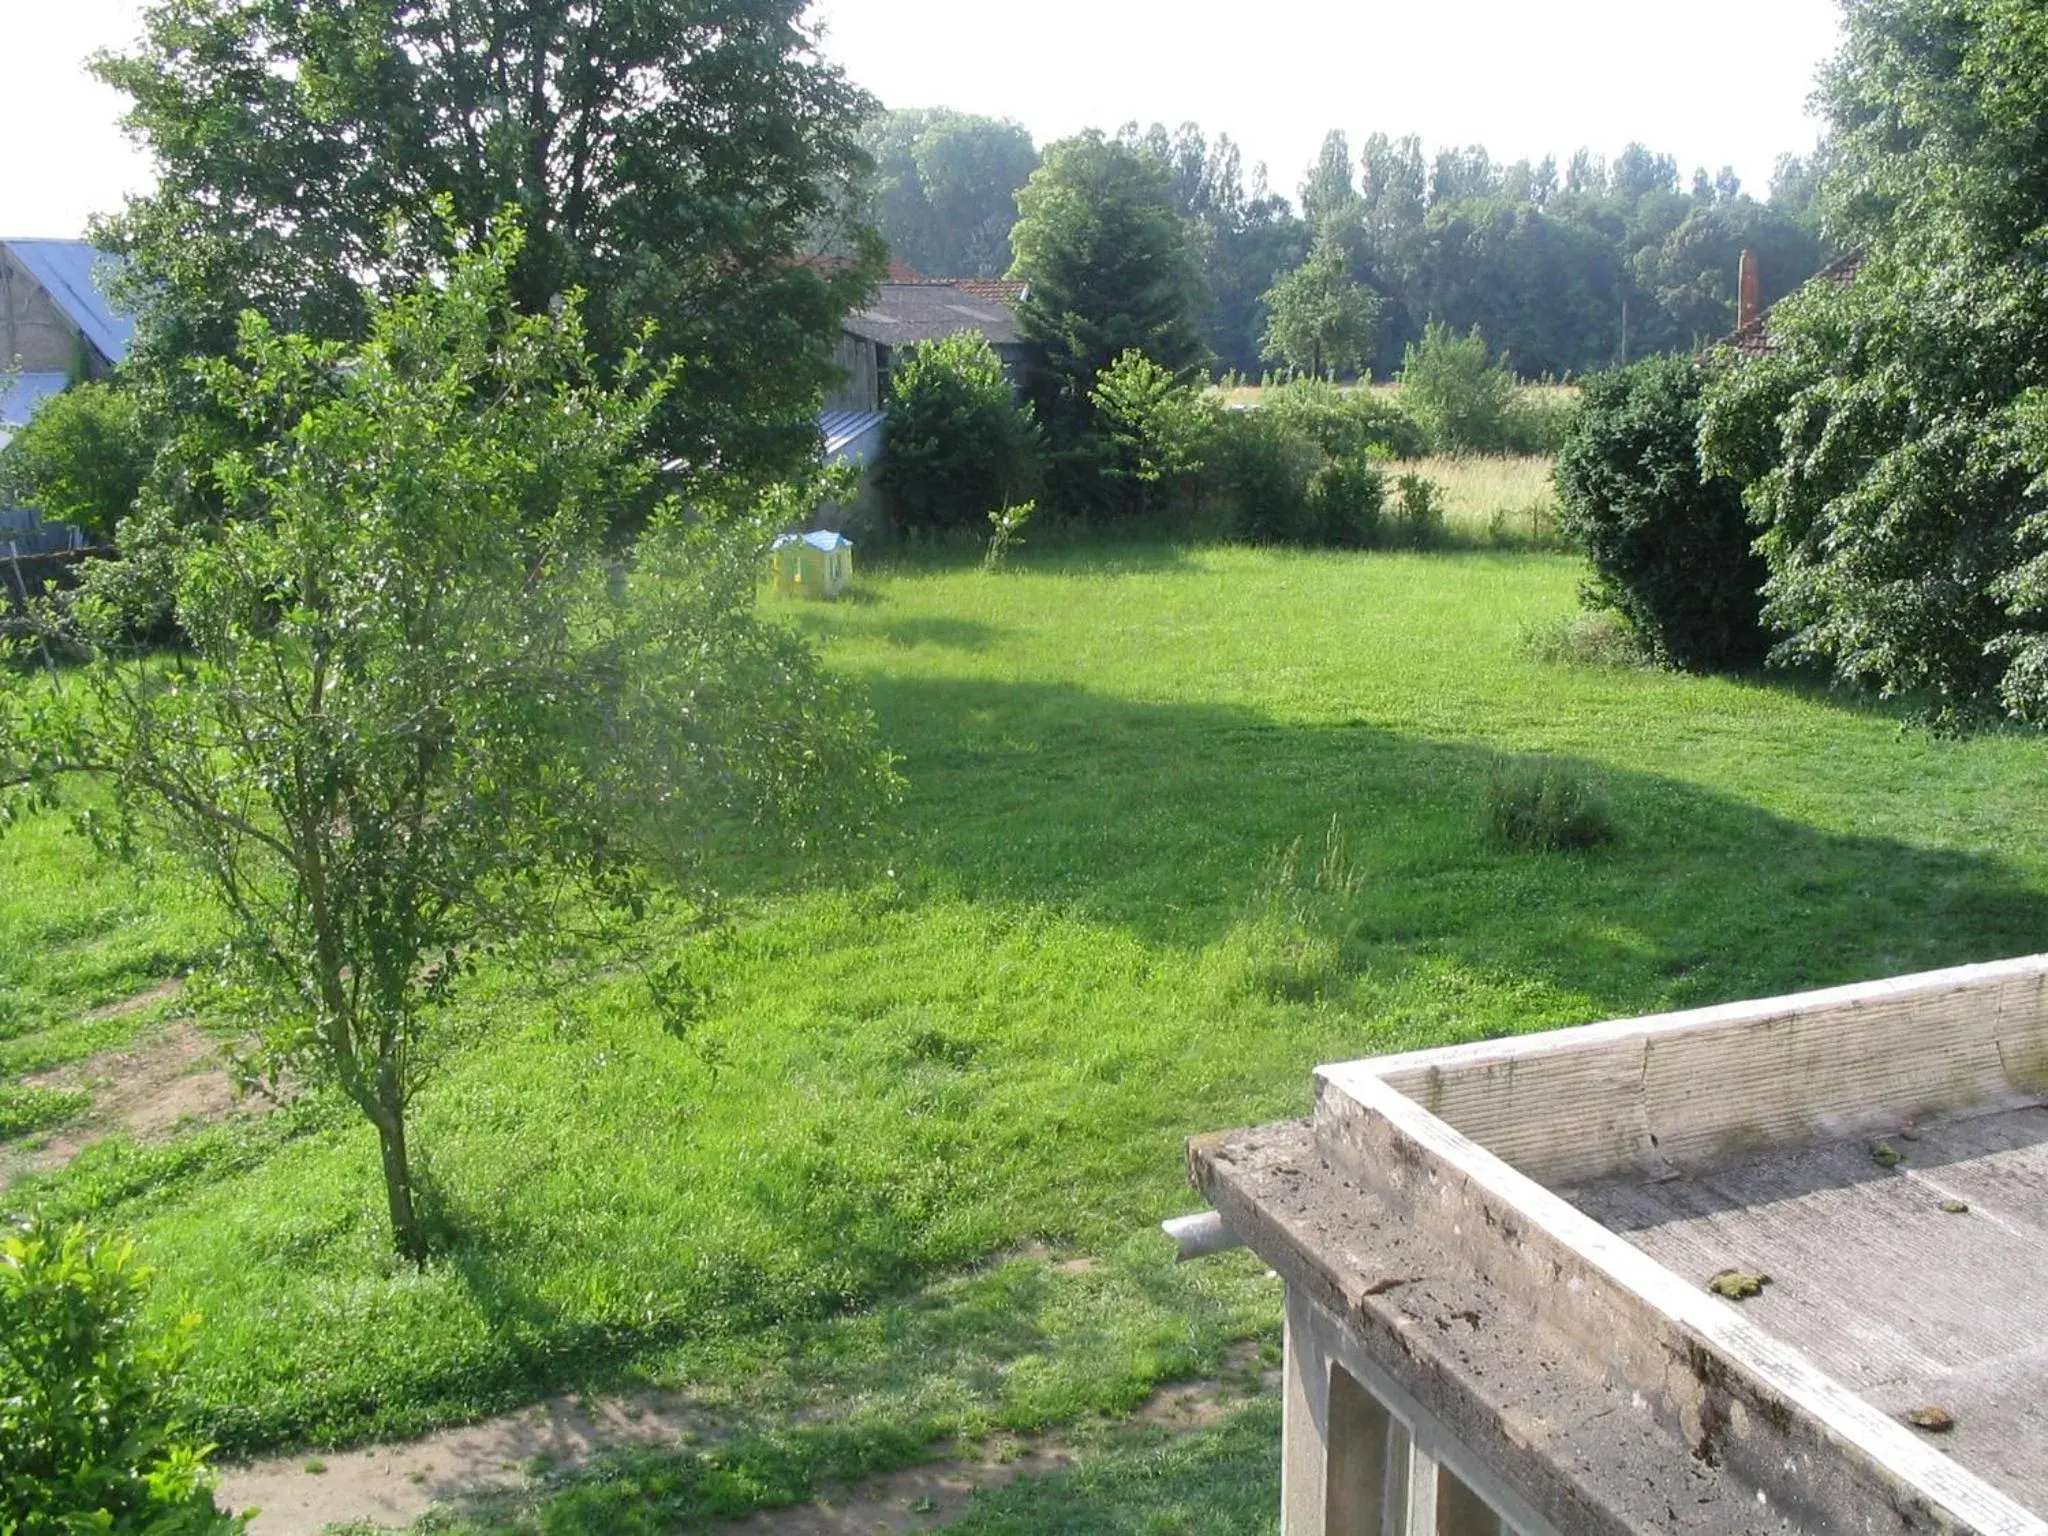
(1717, 83)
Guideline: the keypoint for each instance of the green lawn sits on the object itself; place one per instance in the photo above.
(1180, 825)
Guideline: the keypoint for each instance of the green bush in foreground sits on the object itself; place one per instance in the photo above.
(1544, 810)
(87, 1437)
(1670, 546)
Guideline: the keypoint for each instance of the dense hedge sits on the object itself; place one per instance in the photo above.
(1671, 548)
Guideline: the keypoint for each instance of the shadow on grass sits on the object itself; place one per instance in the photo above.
(1167, 821)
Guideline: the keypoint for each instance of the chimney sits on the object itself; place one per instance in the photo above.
(1748, 292)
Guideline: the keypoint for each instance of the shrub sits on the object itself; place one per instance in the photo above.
(1347, 421)
(1670, 547)
(1544, 810)
(1344, 498)
(1539, 419)
(81, 459)
(1452, 386)
(1262, 468)
(1157, 429)
(960, 443)
(87, 1438)
(1418, 513)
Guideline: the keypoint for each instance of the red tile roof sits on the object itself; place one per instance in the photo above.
(1754, 339)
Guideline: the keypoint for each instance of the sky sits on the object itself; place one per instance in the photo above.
(1714, 84)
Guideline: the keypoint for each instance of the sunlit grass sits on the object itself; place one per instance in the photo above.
(1106, 917)
(1498, 500)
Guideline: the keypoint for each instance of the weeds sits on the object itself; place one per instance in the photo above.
(1544, 810)
(26, 1108)
(1006, 530)
(1582, 639)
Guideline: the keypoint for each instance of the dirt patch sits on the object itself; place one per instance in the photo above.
(393, 1485)
(147, 1089)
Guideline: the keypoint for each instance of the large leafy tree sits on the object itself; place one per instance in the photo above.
(672, 158)
(1108, 261)
(1894, 444)
(1317, 318)
(945, 188)
(421, 710)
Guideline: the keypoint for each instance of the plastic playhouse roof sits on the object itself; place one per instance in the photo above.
(67, 269)
(824, 539)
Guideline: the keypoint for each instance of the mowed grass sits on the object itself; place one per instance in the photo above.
(1180, 825)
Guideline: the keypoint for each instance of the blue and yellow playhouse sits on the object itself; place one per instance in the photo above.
(811, 564)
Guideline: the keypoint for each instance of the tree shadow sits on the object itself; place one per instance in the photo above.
(1169, 821)
(903, 631)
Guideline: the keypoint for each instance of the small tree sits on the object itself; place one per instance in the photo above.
(88, 1440)
(960, 443)
(417, 713)
(1318, 319)
(1451, 385)
(1158, 428)
(82, 458)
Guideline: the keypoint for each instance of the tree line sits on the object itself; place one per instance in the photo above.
(1566, 269)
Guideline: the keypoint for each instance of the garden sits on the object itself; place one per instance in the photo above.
(1178, 824)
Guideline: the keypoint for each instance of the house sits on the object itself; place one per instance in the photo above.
(1768, 1266)
(56, 321)
(900, 316)
(904, 313)
(57, 325)
(1751, 337)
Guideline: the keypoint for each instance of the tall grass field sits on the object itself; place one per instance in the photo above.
(1180, 825)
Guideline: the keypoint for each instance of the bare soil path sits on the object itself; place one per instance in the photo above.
(393, 1485)
(146, 1089)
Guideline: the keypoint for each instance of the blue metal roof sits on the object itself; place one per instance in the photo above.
(852, 437)
(22, 393)
(66, 269)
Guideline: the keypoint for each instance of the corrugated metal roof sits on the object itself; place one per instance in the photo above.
(903, 313)
(852, 437)
(66, 269)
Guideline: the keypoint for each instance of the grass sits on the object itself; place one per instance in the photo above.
(1181, 825)
(1493, 500)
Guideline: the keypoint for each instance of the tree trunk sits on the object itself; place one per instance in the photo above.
(405, 1222)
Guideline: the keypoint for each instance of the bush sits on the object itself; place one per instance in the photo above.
(87, 1438)
(1670, 547)
(1539, 418)
(1418, 513)
(1452, 386)
(1344, 499)
(1156, 429)
(81, 459)
(1544, 810)
(960, 443)
(1262, 468)
(1347, 421)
